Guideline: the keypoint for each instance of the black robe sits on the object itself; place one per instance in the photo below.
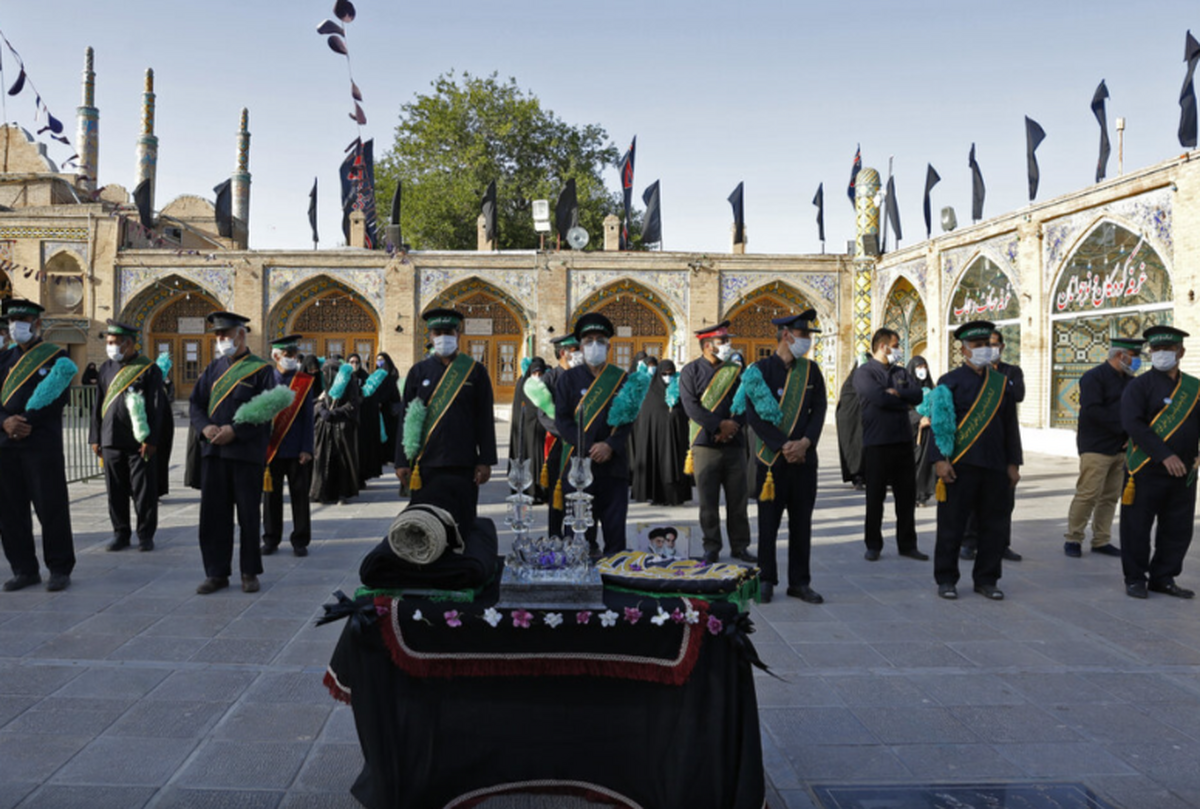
(191, 467)
(166, 436)
(370, 443)
(849, 431)
(926, 477)
(660, 438)
(389, 407)
(335, 442)
(533, 439)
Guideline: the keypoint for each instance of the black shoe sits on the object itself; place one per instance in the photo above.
(966, 552)
(711, 557)
(1010, 555)
(1172, 589)
(117, 545)
(1136, 590)
(805, 593)
(21, 581)
(212, 584)
(269, 548)
(58, 582)
(747, 557)
(766, 591)
(990, 591)
(147, 546)
(871, 555)
(915, 554)
(300, 550)
(1073, 549)
(947, 591)
(1107, 550)
(249, 584)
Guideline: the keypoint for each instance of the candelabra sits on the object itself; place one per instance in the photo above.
(580, 509)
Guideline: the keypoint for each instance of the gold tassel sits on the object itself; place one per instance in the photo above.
(768, 488)
(544, 480)
(268, 484)
(414, 482)
(559, 505)
(689, 466)
(939, 491)
(1127, 495)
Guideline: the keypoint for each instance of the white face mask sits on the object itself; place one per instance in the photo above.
(800, 346)
(595, 354)
(575, 359)
(984, 355)
(289, 363)
(922, 373)
(20, 331)
(1163, 360)
(445, 344)
(724, 351)
(666, 379)
(895, 356)
(226, 346)
(114, 352)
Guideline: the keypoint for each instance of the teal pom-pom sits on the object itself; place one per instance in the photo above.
(537, 392)
(754, 388)
(414, 424)
(320, 362)
(628, 404)
(265, 406)
(374, 381)
(938, 407)
(672, 392)
(525, 363)
(50, 388)
(341, 381)
(136, 404)
(164, 363)
(382, 429)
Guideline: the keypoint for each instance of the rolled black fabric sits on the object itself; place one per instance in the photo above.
(474, 567)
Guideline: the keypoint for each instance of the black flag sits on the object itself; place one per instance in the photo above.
(627, 192)
(893, 210)
(141, 198)
(855, 168)
(931, 179)
(1034, 135)
(566, 210)
(819, 201)
(358, 188)
(396, 196)
(652, 221)
(224, 208)
(739, 215)
(312, 211)
(978, 191)
(489, 211)
(1187, 95)
(1098, 110)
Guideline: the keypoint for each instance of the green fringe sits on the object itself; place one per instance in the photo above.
(754, 387)
(414, 425)
(672, 392)
(341, 381)
(537, 392)
(137, 413)
(374, 381)
(462, 596)
(164, 363)
(628, 404)
(382, 430)
(938, 407)
(265, 406)
(525, 363)
(50, 388)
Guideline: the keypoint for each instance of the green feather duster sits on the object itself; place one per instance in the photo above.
(754, 388)
(672, 391)
(136, 403)
(164, 363)
(938, 407)
(374, 381)
(50, 388)
(414, 424)
(341, 381)
(537, 392)
(265, 406)
(525, 363)
(628, 404)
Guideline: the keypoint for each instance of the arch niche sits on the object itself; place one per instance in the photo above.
(642, 320)
(171, 316)
(905, 314)
(1113, 284)
(331, 317)
(493, 332)
(984, 292)
(750, 321)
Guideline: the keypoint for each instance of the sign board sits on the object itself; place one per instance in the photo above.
(624, 331)
(191, 325)
(478, 326)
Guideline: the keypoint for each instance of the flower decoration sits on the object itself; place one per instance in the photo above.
(660, 617)
(417, 616)
(453, 618)
(553, 619)
(633, 615)
(714, 625)
(608, 618)
(583, 617)
(493, 617)
(521, 618)
(636, 568)
(381, 610)
(677, 616)
(690, 615)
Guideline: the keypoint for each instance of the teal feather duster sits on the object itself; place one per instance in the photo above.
(525, 363)
(341, 381)
(265, 406)
(938, 407)
(136, 403)
(382, 429)
(320, 362)
(414, 424)
(672, 392)
(164, 363)
(374, 381)
(50, 388)
(628, 404)
(537, 392)
(754, 388)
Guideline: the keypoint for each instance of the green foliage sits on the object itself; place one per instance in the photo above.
(468, 131)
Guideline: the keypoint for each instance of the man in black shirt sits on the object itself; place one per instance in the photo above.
(1101, 443)
(887, 393)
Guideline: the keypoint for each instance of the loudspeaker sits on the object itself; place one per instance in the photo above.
(871, 244)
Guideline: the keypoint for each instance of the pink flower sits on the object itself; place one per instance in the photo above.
(714, 625)
(677, 616)
(381, 610)
(521, 618)
(452, 618)
(633, 615)
(583, 616)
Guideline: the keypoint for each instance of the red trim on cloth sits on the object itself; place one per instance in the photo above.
(336, 690)
(546, 664)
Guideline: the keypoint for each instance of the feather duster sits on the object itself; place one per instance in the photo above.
(50, 388)
(382, 430)
(628, 403)
(537, 393)
(414, 424)
(672, 391)
(525, 363)
(164, 363)
(265, 406)
(754, 388)
(341, 381)
(373, 382)
(320, 362)
(938, 407)
(136, 403)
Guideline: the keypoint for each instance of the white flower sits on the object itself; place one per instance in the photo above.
(691, 615)
(661, 617)
(553, 619)
(417, 616)
(493, 616)
(608, 618)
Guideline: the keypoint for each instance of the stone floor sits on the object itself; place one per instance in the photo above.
(127, 690)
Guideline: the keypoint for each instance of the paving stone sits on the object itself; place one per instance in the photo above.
(858, 655)
(54, 796)
(117, 623)
(35, 680)
(168, 718)
(69, 716)
(12, 707)
(238, 650)
(54, 622)
(797, 799)
(814, 632)
(1014, 723)
(1142, 687)
(956, 762)
(176, 798)
(1118, 723)
(1136, 790)
(265, 628)
(796, 727)
(12, 793)
(845, 762)
(797, 690)
(914, 725)
(206, 685)
(1165, 762)
(304, 687)
(189, 625)
(1000, 654)
(19, 644)
(278, 722)
(888, 631)
(36, 756)
(73, 646)
(244, 765)
(118, 681)
(158, 649)
(967, 689)
(1055, 689)
(324, 800)
(331, 768)
(921, 655)
(126, 761)
(1064, 760)
(879, 691)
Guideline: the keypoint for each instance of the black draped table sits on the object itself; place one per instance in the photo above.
(649, 703)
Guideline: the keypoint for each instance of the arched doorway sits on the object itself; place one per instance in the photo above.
(1114, 284)
(179, 329)
(641, 320)
(905, 315)
(984, 292)
(750, 322)
(331, 318)
(493, 331)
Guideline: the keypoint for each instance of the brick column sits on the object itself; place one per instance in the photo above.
(552, 304)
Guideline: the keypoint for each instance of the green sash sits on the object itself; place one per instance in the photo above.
(598, 395)
(26, 367)
(447, 390)
(789, 405)
(986, 406)
(124, 378)
(1168, 420)
(234, 374)
(718, 388)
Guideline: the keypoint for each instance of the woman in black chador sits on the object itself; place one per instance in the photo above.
(660, 434)
(389, 404)
(524, 421)
(849, 433)
(335, 439)
(918, 369)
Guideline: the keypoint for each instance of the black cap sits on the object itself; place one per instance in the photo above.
(806, 320)
(442, 318)
(1164, 335)
(975, 330)
(116, 329)
(16, 307)
(1133, 344)
(593, 322)
(225, 320)
(719, 330)
(288, 342)
(565, 341)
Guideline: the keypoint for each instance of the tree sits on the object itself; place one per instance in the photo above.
(469, 131)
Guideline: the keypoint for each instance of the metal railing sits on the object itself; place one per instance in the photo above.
(82, 463)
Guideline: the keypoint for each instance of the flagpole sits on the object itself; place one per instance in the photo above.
(887, 202)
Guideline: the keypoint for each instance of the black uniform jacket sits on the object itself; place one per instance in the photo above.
(46, 421)
(115, 429)
(693, 381)
(466, 435)
(812, 409)
(572, 384)
(885, 416)
(1000, 444)
(1144, 397)
(250, 440)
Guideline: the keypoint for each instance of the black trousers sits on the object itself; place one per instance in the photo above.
(229, 488)
(971, 535)
(36, 479)
(610, 509)
(1169, 502)
(299, 479)
(795, 492)
(983, 492)
(891, 464)
(128, 476)
(452, 488)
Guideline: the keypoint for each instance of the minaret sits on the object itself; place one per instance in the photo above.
(240, 187)
(147, 149)
(87, 132)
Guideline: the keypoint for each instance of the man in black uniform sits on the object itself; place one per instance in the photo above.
(35, 379)
(718, 445)
(786, 450)
(458, 444)
(233, 455)
(4, 341)
(567, 356)
(289, 452)
(984, 464)
(1101, 443)
(600, 383)
(125, 430)
(1159, 412)
(887, 393)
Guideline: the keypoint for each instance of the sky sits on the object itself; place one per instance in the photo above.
(773, 93)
